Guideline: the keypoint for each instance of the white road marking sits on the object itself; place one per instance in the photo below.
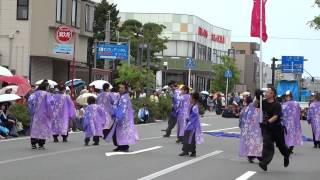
(225, 129)
(134, 152)
(246, 175)
(204, 124)
(179, 166)
(145, 124)
(61, 152)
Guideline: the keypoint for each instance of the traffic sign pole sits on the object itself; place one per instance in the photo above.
(189, 78)
(227, 87)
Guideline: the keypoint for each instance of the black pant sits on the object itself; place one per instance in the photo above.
(64, 137)
(316, 143)
(171, 123)
(120, 147)
(189, 147)
(273, 133)
(40, 142)
(95, 139)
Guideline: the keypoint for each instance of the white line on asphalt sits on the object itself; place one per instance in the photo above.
(179, 166)
(61, 152)
(145, 124)
(246, 175)
(204, 124)
(225, 129)
(134, 152)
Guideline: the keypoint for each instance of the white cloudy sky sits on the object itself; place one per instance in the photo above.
(285, 19)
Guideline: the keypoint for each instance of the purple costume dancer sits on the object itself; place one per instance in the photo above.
(63, 112)
(175, 94)
(193, 133)
(314, 120)
(251, 142)
(106, 100)
(183, 112)
(94, 121)
(291, 120)
(123, 132)
(40, 105)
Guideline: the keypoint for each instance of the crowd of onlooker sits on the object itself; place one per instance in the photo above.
(229, 108)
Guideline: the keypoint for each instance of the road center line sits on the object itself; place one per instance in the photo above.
(134, 152)
(179, 166)
(225, 129)
(246, 175)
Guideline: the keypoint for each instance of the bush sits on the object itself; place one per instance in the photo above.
(20, 111)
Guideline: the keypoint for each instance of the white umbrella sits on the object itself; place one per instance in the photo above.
(9, 97)
(205, 92)
(51, 83)
(166, 87)
(13, 87)
(98, 84)
(82, 99)
(4, 71)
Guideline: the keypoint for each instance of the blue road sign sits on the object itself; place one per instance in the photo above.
(292, 64)
(228, 74)
(112, 51)
(190, 63)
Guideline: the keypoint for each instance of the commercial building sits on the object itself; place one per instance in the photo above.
(188, 36)
(248, 64)
(28, 44)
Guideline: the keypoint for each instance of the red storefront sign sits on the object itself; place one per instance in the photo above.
(218, 38)
(214, 37)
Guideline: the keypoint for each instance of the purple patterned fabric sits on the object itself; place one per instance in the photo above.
(291, 120)
(183, 114)
(94, 120)
(176, 102)
(40, 105)
(107, 101)
(63, 111)
(250, 137)
(194, 125)
(314, 119)
(126, 133)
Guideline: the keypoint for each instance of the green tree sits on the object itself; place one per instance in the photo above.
(315, 23)
(144, 33)
(101, 17)
(137, 77)
(219, 82)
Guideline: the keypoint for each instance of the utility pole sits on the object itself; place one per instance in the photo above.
(273, 66)
(107, 30)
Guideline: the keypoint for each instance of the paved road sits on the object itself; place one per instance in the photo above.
(217, 159)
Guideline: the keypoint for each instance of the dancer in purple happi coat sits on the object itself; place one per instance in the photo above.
(40, 105)
(250, 137)
(175, 95)
(123, 132)
(63, 112)
(314, 120)
(291, 120)
(94, 121)
(106, 100)
(193, 133)
(183, 112)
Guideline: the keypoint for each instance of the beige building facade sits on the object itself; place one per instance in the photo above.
(28, 44)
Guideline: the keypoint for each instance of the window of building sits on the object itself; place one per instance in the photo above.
(61, 11)
(89, 18)
(22, 9)
(240, 52)
(75, 16)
